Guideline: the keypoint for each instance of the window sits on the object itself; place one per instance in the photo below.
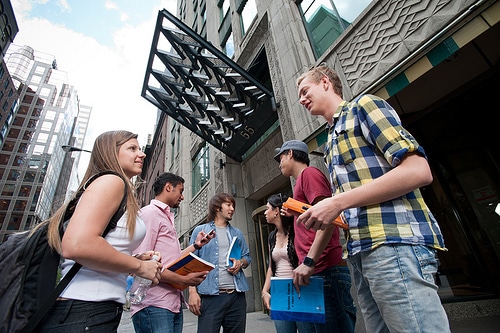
(4, 204)
(8, 190)
(172, 153)
(15, 222)
(228, 46)
(225, 29)
(224, 8)
(203, 30)
(326, 20)
(201, 170)
(247, 13)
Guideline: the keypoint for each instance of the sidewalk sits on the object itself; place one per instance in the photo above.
(257, 322)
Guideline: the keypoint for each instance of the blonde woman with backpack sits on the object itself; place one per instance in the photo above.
(93, 301)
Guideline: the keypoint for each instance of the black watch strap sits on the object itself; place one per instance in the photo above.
(196, 246)
(309, 262)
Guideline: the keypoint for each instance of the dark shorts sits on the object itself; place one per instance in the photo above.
(81, 316)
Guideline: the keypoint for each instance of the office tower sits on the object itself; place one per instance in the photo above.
(35, 170)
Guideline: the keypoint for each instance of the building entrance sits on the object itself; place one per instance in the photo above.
(459, 138)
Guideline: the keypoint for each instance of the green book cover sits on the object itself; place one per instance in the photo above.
(286, 304)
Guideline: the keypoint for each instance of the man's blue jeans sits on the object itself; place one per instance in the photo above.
(284, 326)
(396, 289)
(340, 310)
(153, 319)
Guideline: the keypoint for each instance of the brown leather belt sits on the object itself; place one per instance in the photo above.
(342, 263)
(226, 291)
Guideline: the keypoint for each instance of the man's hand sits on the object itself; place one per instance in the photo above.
(301, 276)
(194, 301)
(193, 279)
(237, 265)
(288, 212)
(320, 215)
(203, 238)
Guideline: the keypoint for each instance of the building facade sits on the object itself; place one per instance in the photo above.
(435, 61)
(35, 171)
(8, 26)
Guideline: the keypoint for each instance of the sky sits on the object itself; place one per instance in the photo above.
(103, 46)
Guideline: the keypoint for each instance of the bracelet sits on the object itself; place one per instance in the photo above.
(196, 246)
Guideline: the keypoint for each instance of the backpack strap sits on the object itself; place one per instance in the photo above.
(72, 204)
(47, 304)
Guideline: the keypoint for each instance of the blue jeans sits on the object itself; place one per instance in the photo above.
(81, 316)
(284, 326)
(340, 311)
(153, 319)
(228, 311)
(396, 289)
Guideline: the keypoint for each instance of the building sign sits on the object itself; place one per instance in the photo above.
(201, 88)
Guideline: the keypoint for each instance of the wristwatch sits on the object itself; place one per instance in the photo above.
(196, 246)
(309, 262)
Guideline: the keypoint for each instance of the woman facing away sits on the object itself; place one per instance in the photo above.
(93, 301)
(282, 256)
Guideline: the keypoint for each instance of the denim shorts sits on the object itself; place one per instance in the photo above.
(396, 289)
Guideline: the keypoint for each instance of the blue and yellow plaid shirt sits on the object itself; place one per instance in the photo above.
(366, 141)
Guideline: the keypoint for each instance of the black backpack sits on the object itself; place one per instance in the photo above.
(29, 269)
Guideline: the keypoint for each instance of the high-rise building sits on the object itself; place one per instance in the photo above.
(35, 171)
(225, 74)
(8, 26)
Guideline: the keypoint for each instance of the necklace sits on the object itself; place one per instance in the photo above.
(283, 238)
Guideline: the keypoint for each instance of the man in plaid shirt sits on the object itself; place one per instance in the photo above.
(376, 167)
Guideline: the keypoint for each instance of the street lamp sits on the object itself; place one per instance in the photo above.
(70, 149)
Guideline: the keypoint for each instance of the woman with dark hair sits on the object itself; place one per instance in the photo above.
(282, 256)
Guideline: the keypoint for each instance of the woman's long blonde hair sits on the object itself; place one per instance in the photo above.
(104, 157)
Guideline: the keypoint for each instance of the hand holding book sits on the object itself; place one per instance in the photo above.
(189, 263)
(301, 207)
(287, 304)
(234, 255)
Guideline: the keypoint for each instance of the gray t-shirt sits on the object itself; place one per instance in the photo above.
(225, 279)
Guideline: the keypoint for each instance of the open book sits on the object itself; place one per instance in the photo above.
(189, 263)
(301, 207)
(287, 304)
(234, 251)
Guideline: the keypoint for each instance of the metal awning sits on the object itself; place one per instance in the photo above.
(201, 88)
